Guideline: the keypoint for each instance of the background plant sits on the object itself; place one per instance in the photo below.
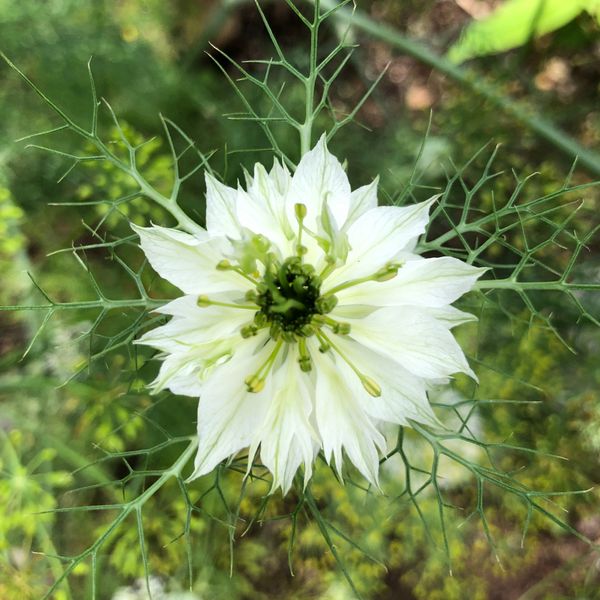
(133, 441)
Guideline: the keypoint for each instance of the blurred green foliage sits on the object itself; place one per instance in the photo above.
(148, 58)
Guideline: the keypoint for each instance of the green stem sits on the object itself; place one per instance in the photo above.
(310, 83)
(126, 509)
(474, 81)
(104, 303)
(553, 286)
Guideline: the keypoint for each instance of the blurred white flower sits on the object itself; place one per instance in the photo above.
(307, 319)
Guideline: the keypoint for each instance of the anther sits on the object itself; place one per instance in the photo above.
(254, 384)
(203, 301)
(224, 265)
(249, 331)
(325, 304)
(324, 347)
(300, 210)
(306, 331)
(388, 272)
(342, 328)
(304, 358)
(371, 386)
(251, 296)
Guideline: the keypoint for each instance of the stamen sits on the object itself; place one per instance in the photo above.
(225, 265)
(330, 260)
(370, 385)
(205, 301)
(255, 383)
(386, 273)
(304, 359)
(325, 304)
(300, 210)
(338, 327)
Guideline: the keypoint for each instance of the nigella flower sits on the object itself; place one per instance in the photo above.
(307, 320)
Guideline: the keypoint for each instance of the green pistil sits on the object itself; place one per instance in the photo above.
(287, 296)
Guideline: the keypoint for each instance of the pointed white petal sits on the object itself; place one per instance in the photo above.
(228, 415)
(318, 178)
(194, 325)
(221, 219)
(362, 200)
(380, 235)
(427, 282)
(451, 317)
(188, 262)
(185, 372)
(281, 177)
(343, 424)
(414, 339)
(287, 439)
(262, 210)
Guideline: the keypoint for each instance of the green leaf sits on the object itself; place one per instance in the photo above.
(514, 23)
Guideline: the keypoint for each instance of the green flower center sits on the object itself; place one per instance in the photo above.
(288, 297)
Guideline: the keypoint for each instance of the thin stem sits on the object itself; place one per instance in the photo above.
(310, 84)
(549, 286)
(100, 303)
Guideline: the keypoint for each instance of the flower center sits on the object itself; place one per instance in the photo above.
(288, 297)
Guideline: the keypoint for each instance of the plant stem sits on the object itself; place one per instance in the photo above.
(104, 303)
(549, 286)
(310, 83)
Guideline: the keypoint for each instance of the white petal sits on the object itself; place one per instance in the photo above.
(188, 262)
(412, 338)
(280, 175)
(318, 178)
(403, 395)
(427, 282)
(229, 415)
(193, 325)
(185, 372)
(262, 210)
(451, 317)
(287, 439)
(343, 424)
(221, 219)
(362, 200)
(379, 236)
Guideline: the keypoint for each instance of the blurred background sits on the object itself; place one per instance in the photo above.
(528, 80)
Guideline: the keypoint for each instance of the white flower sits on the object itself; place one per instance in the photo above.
(307, 320)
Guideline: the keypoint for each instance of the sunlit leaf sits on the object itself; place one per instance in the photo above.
(514, 24)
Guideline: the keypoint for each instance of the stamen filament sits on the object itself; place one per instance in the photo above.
(300, 210)
(384, 274)
(370, 385)
(225, 265)
(204, 301)
(255, 383)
